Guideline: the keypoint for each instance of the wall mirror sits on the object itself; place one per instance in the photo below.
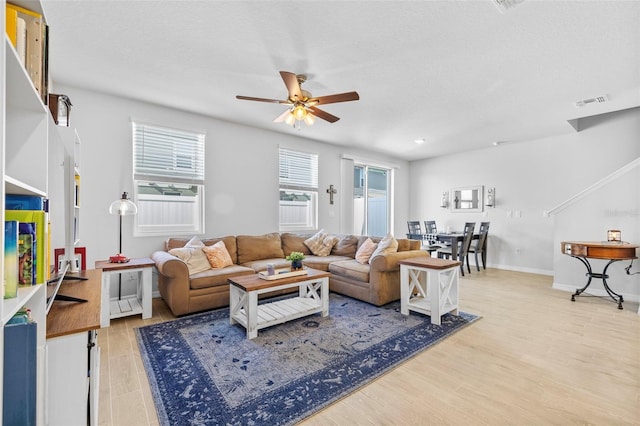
(467, 199)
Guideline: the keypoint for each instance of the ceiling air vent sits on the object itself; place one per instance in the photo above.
(597, 100)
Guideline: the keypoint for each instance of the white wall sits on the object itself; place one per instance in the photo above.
(530, 177)
(241, 195)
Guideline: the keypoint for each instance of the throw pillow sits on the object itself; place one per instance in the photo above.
(385, 246)
(365, 251)
(321, 243)
(193, 256)
(218, 255)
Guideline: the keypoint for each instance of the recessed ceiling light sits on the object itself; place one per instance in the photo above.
(419, 141)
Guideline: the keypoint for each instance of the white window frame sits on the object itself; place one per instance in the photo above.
(168, 157)
(298, 174)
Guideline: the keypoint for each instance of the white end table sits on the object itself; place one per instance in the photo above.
(140, 303)
(429, 286)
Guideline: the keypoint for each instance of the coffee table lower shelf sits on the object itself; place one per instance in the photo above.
(273, 313)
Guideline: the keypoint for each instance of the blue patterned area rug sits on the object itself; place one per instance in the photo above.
(204, 371)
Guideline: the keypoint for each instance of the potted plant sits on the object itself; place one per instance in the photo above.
(295, 257)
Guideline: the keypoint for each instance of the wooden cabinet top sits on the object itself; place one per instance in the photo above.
(430, 263)
(73, 317)
(143, 262)
(607, 250)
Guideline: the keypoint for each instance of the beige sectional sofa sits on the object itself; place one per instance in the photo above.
(377, 282)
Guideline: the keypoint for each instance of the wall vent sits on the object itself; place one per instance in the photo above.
(597, 100)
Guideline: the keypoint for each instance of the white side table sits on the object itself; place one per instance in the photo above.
(140, 303)
(429, 286)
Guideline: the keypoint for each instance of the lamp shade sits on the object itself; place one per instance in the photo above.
(123, 207)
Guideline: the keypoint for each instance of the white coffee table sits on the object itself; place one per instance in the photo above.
(312, 297)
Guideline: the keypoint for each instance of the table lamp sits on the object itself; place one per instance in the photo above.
(122, 207)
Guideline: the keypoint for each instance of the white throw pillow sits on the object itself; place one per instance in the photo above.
(193, 256)
(385, 246)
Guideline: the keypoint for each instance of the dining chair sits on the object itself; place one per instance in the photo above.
(431, 232)
(430, 227)
(480, 245)
(463, 249)
(415, 232)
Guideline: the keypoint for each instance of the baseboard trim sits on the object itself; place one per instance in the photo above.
(595, 292)
(522, 269)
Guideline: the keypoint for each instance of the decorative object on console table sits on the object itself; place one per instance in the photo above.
(614, 235)
(295, 257)
(122, 207)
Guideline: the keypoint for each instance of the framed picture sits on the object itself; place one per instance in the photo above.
(80, 251)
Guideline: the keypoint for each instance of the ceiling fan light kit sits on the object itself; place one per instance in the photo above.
(303, 104)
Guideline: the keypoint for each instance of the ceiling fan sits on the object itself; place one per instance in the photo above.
(303, 104)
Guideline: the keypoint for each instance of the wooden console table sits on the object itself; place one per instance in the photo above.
(611, 251)
(73, 369)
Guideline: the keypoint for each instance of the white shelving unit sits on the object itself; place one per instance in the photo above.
(24, 168)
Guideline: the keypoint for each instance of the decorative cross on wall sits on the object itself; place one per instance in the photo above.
(331, 191)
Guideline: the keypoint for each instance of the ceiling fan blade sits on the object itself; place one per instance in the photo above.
(324, 115)
(273, 101)
(291, 81)
(332, 99)
(282, 117)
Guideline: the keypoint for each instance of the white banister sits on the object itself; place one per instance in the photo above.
(613, 176)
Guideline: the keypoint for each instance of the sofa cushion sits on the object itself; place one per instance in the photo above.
(351, 269)
(194, 257)
(294, 242)
(218, 255)
(321, 243)
(217, 277)
(261, 265)
(252, 247)
(347, 245)
(386, 245)
(365, 251)
(322, 263)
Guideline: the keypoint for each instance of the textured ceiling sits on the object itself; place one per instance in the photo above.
(459, 74)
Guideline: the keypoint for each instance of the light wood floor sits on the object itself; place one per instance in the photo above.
(534, 358)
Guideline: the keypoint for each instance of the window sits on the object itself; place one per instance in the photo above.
(168, 173)
(298, 190)
(371, 201)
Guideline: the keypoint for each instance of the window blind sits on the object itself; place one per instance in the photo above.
(167, 155)
(298, 170)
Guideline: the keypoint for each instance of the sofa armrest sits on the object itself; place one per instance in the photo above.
(390, 262)
(169, 265)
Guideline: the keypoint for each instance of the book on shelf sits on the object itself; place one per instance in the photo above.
(20, 378)
(39, 219)
(10, 286)
(25, 202)
(28, 34)
(27, 246)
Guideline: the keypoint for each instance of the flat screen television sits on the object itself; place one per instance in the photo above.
(53, 286)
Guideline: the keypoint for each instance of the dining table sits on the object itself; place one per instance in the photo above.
(454, 239)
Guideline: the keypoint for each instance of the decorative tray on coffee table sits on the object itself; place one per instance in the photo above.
(281, 273)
